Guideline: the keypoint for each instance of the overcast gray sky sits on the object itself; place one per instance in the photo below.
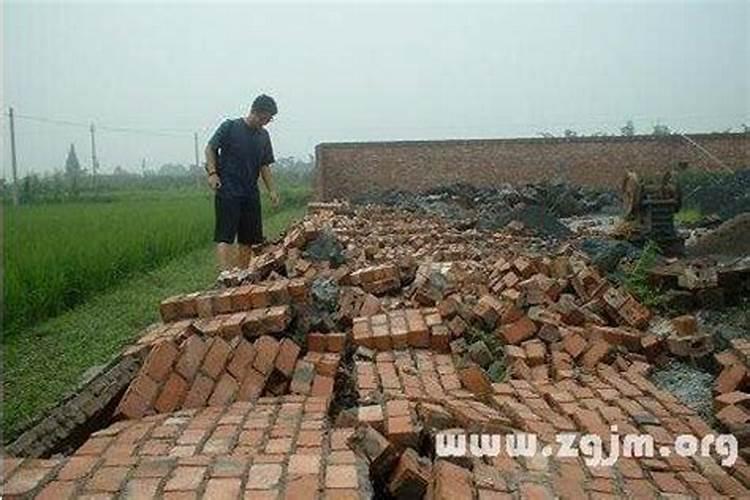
(343, 72)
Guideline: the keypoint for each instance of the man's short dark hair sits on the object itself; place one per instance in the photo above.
(264, 103)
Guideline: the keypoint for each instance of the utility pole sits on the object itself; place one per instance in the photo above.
(197, 164)
(13, 156)
(94, 163)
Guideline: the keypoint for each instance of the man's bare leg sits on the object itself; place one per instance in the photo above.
(244, 255)
(225, 253)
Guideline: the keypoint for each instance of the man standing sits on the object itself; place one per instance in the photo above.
(239, 151)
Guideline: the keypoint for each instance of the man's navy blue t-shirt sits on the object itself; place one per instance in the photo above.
(242, 150)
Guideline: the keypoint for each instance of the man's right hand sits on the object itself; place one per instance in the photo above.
(213, 181)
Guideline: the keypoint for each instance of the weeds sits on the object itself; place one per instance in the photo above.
(688, 216)
(636, 279)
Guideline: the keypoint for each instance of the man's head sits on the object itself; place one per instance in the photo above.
(262, 111)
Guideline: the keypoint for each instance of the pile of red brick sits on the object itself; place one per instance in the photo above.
(239, 396)
(732, 390)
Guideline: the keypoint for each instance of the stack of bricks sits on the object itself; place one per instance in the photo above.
(234, 299)
(249, 323)
(377, 280)
(315, 373)
(334, 206)
(399, 329)
(413, 374)
(355, 302)
(396, 420)
(158, 332)
(547, 332)
(732, 391)
(208, 371)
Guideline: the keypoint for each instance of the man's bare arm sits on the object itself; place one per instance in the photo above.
(211, 159)
(265, 173)
(211, 163)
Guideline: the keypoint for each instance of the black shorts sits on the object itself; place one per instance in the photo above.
(238, 218)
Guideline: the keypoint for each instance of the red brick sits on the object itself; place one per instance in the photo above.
(635, 314)
(225, 391)
(252, 386)
(335, 342)
(57, 490)
(76, 468)
(328, 365)
(685, 325)
(277, 319)
(535, 491)
(411, 476)
(223, 489)
(535, 352)
(158, 364)
(216, 358)
(316, 342)
(451, 482)
(172, 394)
(475, 380)
(381, 337)
(170, 308)
(199, 392)
(141, 488)
(287, 357)
(372, 415)
(266, 349)
(341, 476)
(263, 476)
(418, 334)
(440, 339)
(302, 379)
(242, 358)
(518, 331)
(192, 352)
(595, 354)
(300, 465)
(731, 398)
(731, 378)
(108, 479)
(322, 386)
(487, 310)
(668, 482)
(733, 416)
(24, 480)
(652, 345)
(185, 478)
(401, 431)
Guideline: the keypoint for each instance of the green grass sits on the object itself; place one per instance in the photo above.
(688, 216)
(636, 279)
(57, 255)
(47, 360)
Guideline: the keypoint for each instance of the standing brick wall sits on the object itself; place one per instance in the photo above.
(344, 170)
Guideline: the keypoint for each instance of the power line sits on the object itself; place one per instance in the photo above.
(166, 132)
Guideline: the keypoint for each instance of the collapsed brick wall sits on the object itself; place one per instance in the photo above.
(344, 170)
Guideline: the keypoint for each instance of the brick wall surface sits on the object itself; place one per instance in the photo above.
(344, 170)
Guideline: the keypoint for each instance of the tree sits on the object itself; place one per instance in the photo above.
(173, 170)
(73, 169)
(660, 129)
(629, 129)
(570, 133)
